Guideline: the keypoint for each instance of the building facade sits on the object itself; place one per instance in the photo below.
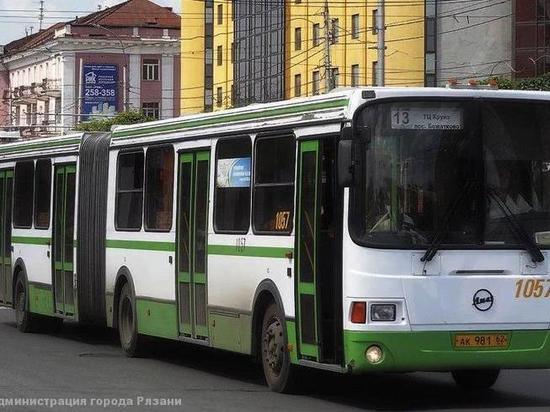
(474, 39)
(241, 52)
(121, 58)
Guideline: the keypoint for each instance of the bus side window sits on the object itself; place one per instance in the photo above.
(273, 205)
(42, 196)
(23, 196)
(129, 191)
(232, 196)
(159, 188)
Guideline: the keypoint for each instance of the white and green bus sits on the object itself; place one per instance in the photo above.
(366, 230)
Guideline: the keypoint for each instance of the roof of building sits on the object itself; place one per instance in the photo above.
(131, 13)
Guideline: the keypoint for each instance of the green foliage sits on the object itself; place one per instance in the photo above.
(541, 83)
(105, 124)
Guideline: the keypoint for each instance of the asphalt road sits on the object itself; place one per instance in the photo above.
(87, 365)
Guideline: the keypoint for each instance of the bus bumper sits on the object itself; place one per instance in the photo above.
(434, 351)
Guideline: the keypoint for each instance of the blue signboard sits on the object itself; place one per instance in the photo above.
(99, 89)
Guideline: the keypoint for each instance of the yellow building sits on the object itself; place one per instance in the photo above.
(242, 52)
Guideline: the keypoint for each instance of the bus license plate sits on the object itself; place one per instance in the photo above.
(490, 340)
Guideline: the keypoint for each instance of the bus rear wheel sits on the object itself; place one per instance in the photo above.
(24, 320)
(279, 373)
(476, 379)
(127, 324)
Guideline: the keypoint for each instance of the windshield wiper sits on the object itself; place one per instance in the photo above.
(518, 230)
(443, 229)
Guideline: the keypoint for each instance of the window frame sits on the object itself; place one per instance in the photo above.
(121, 153)
(174, 179)
(355, 24)
(147, 67)
(14, 223)
(272, 136)
(154, 110)
(297, 38)
(214, 178)
(51, 196)
(298, 85)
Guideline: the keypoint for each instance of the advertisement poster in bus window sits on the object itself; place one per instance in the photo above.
(233, 173)
(99, 89)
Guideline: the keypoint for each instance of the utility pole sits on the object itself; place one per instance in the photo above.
(329, 79)
(41, 16)
(381, 32)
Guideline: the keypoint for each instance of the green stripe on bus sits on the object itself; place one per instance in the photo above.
(187, 124)
(141, 245)
(249, 251)
(30, 147)
(28, 240)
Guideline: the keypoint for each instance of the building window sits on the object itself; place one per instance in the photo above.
(335, 35)
(23, 194)
(375, 73)
(355, 26)
(42, 190)
(232, 53)
(430, 35)
(219, 56)
(34, 114)
(374, 28)
(220, 13)
(232, 196)
(150, 69)
(219, 97)
(151, 110)
(274, 185)
(430, 80)
(129, 191)
(316, 34)
(336, 76)
(316, 86)
(355, 75)
(298, 38)
(297, 85)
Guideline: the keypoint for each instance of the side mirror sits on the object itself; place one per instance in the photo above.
(351, 140)
(345, 163)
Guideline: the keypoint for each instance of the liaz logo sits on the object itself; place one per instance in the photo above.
(483, 300)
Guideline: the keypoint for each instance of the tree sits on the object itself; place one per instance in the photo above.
(105, 124)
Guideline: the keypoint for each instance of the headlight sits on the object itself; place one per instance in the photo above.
(382, 312)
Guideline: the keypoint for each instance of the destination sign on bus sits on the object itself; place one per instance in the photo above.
(426, 118)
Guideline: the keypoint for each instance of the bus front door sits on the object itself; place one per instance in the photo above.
(192, 231)
(307, 256)
(6, 274)
(63, 235)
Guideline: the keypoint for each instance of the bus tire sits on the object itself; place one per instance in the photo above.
(127, 323)
(476, 379)
(279, 373)
(24, 320)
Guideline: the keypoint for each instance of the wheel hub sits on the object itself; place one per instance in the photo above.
(274, 346)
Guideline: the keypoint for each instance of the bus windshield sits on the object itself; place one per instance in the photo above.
(475, 173)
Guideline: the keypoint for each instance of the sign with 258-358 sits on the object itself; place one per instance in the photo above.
(533, 288)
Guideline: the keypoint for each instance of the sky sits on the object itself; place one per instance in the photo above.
(16, 16)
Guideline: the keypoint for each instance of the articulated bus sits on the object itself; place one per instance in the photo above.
(366, 230)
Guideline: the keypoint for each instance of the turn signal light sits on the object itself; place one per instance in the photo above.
(359, 312)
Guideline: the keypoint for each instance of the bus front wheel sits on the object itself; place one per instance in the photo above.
(278, 371)
(476, 379)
